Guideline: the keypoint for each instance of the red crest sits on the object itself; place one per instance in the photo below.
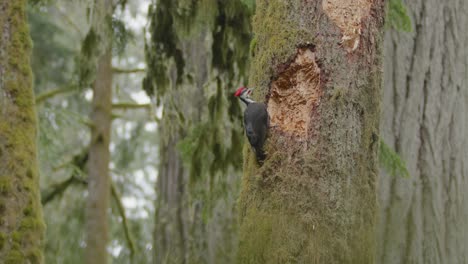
(239, 91)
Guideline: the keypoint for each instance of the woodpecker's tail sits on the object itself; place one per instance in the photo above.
(260, 154)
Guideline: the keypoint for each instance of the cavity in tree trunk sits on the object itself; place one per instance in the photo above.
(317, 65)
(99, 156)
(21, 223)
(423, 219)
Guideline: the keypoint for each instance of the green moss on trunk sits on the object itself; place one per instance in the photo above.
(314, 198)
(276, 37)
(21, 222)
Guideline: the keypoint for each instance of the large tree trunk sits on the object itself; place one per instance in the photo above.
(206, 42)
(180, 233)
(171, 230)
(99, 156)
(195, 220)
(21, 223)
(317, 66)
(424, 219)
(172, 238)
(187, 229)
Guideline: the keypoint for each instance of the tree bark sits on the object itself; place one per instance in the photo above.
(181, 235)
(98, 165)
(423, 219)
(317, 65)
(99, 156)
(171, 232)
(187, 229)
(172, 238)
(21, 221)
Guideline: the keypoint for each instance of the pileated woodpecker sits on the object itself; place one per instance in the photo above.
(256, 122)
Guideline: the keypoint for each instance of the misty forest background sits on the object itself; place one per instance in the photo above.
(149, 167)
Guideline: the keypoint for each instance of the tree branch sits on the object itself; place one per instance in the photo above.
(121, 209)
(78, 162)
(128, 71)
(59, 188)
(126, 106)
(49, 94)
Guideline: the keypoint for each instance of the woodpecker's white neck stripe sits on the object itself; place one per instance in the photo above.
(246, 100)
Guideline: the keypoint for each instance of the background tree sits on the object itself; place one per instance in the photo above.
(97, 48)
(197, 55)
(21, 222)
(317, 66)
(423, 218)
(58, 29)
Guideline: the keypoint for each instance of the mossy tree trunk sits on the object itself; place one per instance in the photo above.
(424, 218)
(317, 66)
(181, 234)
(172, 237)
(171, 229)
(99, 155)
(21, 222)
(197, 51)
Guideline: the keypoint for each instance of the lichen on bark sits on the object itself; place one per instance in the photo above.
(21, 222)
(315, 195)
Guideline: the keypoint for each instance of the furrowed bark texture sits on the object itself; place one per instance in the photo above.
(318, 67)
(21, 222)
(424, 219)
(99, 156)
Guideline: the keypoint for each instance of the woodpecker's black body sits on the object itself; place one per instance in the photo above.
(256, 127)
(256, 122)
